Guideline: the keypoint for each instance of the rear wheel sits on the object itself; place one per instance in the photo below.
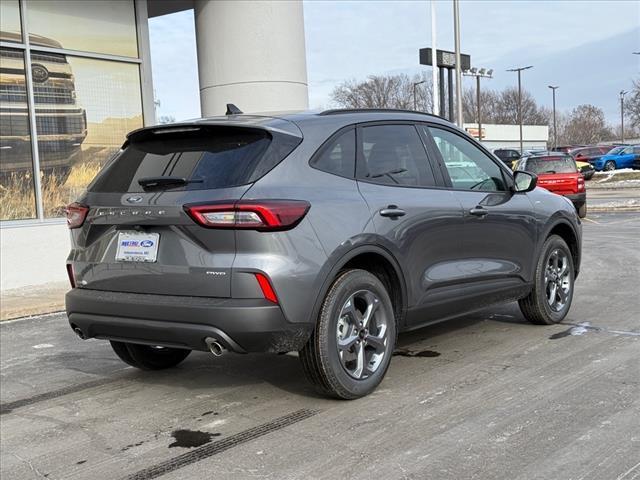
(147, 357)
(609, 165)
(582, 211)
(350, 350)
(551, 296)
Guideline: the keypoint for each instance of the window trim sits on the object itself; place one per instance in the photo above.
(507, 175)
(435, 171)
(327, 143)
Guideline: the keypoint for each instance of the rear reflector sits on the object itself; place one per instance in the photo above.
(265, 286)
(76, 214)
(72, 275)
(263, 215)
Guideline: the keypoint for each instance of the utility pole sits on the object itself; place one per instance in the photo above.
(519, 70)
(555, 126)
(474, 72)
(434, 73)
(456, 30)
(415, 102)
(622, 94)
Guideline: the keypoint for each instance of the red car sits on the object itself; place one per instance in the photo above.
(558, 173)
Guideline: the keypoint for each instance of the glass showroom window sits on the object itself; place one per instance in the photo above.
(10, 30)
(17, 193)
(84, 109)
(98, 26)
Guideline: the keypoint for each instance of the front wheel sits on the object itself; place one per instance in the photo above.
(552, 293)
(609, 165)
(582, 211)
(147, 357)
(350, 350)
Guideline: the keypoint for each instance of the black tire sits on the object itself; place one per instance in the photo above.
(146, 357)
(609, 165)
(582, 211)
(322, 363)
(536, 307)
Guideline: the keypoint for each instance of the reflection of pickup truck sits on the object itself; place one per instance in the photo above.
(61, 124)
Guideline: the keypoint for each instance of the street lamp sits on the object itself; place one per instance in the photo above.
(555, 127)
(456, 38)
(519, 70)
(478, 73)
(622, 94)
(415, 102)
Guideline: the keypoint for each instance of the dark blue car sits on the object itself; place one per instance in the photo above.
(619, 157)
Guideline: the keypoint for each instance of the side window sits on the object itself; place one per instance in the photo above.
(469, 167)
(394, 155)
(339, 156)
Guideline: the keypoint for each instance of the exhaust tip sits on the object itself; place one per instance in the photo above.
(79, 333)
(214, 346)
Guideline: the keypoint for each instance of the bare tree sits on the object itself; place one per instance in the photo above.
(586, 125)
(376, 91)
(632, 104)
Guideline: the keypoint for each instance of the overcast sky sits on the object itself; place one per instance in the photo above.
(583, 46)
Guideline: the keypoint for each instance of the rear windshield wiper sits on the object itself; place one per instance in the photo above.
(149, 183)
(549, 171)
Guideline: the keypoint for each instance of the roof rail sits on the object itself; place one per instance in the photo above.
(339, 111)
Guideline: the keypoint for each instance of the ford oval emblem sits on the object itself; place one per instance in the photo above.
(146, 243)
(134, 199)
(39, 73)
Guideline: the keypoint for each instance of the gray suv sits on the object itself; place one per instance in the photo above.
(323, 233)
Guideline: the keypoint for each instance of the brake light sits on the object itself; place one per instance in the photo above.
(263, 215)
(76, 214)
(580, 183)
(72, 275)
(265, 286)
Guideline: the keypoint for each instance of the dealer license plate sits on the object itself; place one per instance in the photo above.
(137, 247)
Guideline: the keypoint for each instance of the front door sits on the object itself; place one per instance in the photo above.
(499, 229)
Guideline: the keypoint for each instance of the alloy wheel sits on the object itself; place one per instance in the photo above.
(557, 280)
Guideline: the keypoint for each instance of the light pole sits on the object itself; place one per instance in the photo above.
(415, 102)
(622, 94)
(519, 70)
(555, 126)
(474, 72)
(456, 30)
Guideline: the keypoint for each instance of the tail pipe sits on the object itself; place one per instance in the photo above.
(214, 346)
(79, 333)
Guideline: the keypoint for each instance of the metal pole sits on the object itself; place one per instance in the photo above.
(622, 116)
(415, 104)
(450, 92)
(456, 29)
(555, 125)
(434, 73)
(443, 106)
(478, 101)
(520, 110)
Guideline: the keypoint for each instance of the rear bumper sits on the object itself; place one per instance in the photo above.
(578, 199)
(240, 325)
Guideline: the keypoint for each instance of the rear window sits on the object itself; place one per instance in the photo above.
(205, 157)
(551, 165)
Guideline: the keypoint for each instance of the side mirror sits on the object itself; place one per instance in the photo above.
(524, 181)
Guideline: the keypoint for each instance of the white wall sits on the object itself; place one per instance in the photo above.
(251, 54)
(33, 255)
(498, 136)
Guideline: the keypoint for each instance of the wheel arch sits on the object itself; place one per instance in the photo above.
(381, 263)
(568, 233)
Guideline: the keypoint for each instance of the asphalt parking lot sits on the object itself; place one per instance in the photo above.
(487, 396)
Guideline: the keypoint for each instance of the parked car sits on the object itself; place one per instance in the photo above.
(567, 148)
(508, 155)
(324, 233)
(586, 169)
(619, 157)
(558, 173)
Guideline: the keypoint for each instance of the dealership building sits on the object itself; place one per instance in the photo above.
(75, 77)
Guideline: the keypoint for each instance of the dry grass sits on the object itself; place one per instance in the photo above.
(17, 199)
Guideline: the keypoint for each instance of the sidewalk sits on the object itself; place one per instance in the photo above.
(26, 302)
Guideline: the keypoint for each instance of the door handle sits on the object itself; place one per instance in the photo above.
(479, 211)
(392, 212)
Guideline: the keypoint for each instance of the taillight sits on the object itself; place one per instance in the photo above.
(72, 275)
(580, 183)
(76, 214)
(263, 215)
(265, 286)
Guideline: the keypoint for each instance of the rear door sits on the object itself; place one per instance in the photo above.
(137, 237)
(416, 219)
(499, 230)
